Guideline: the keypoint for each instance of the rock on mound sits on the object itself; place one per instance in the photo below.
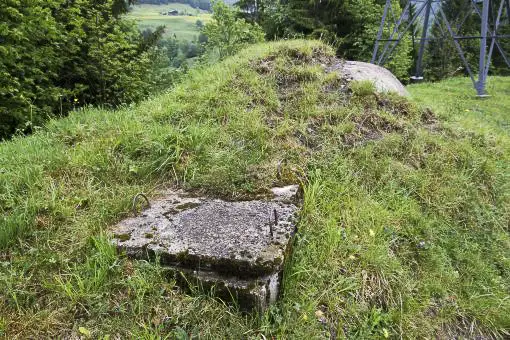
(383, 79)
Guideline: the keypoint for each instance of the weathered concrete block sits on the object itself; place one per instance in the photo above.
(237, 247)
(250, 294)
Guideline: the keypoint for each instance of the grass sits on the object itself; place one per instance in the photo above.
(403, 231)
(182, 26)
(453, 99)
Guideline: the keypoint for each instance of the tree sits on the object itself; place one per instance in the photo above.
(442, 58)
(349, 25)
(499, 65)
(29, 64)
(58, 54)
(273, 16)
(227, 33)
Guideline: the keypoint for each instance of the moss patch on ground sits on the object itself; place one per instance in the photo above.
(404, 229)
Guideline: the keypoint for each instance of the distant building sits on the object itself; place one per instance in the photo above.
(173, 12)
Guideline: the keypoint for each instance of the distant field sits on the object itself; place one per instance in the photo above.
(183, 26)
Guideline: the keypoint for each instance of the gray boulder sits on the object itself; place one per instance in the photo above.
(383, 79)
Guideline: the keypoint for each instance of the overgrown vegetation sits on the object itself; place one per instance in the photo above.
(57, 55)
(227, 33)
(403, 232)
(350, 26)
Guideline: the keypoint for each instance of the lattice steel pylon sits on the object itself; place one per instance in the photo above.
(428, 13)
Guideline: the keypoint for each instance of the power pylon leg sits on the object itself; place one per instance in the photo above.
(381, 28)
(419, 63)
(482, 70)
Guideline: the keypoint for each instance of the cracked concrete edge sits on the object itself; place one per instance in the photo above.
(248, 295)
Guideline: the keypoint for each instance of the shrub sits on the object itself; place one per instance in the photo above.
(227, 33)
(56, 55)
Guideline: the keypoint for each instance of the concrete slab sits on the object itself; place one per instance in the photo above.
(235, 245)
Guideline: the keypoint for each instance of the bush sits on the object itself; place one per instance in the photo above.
(56, 55)
(227, 33)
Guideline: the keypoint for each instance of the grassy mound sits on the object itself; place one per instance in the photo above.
(404, 229)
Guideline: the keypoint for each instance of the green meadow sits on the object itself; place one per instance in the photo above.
(182, 26)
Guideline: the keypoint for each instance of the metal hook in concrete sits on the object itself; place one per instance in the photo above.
(135, 199)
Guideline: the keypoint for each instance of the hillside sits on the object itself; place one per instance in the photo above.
(403, 231)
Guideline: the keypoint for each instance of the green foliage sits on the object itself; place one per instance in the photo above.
(403, 230)
(349, 25)
(56, 55)
(29, 62)
(176, 55)
(227, 34)
(272, 16)
(442, 59)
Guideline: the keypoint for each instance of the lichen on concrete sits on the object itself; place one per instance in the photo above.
(245, 241)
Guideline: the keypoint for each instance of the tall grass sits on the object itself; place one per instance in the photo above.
(403, 230)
